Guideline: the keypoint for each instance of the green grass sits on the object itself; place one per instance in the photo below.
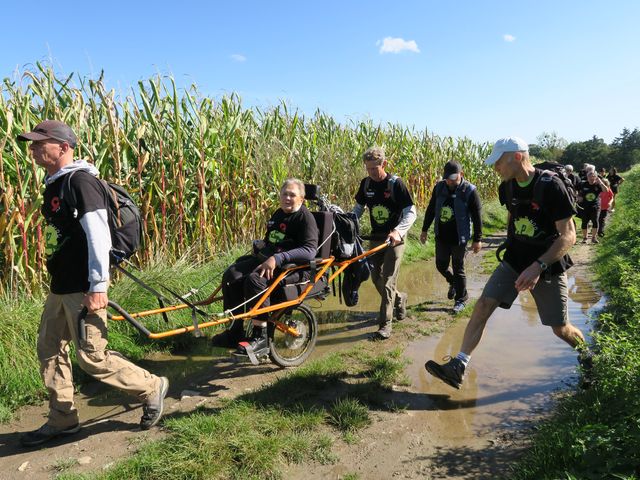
(494, 217)
(595, 433)
(348, 414)
(256, 435)
(20, 382)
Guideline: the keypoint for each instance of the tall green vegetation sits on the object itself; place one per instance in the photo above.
(596, 433)
(205, 171)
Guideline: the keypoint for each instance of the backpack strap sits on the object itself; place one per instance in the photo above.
(391, 183)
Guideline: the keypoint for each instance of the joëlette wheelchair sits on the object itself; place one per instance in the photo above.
(292, 325)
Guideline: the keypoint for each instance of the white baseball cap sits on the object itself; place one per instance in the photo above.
(507, 144)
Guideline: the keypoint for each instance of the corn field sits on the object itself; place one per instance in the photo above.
(205, 172)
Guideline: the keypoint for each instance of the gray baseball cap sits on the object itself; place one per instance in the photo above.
(51, 129)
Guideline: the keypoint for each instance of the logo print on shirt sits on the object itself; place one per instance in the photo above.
(446, 214)
(380, 214)
(525, 227)
(50, 240)
(276, 236)
(55, 204)
(590, 197)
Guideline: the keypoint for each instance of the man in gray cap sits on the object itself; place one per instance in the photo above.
(454, 204)
(540, 233)
(77, 247)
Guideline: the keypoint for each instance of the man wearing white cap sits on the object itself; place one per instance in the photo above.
(540, 233)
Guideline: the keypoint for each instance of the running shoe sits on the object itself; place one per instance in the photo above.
(153, 408)
(452, 292)
(459, 306)
(400, 308)
(450, 373)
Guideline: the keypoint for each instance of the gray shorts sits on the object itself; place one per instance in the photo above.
(550, 293)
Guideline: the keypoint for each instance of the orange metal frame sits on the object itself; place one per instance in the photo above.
(257, 309)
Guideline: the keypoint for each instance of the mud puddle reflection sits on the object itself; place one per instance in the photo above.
(513, 373)
(341, 326)
(511, 380)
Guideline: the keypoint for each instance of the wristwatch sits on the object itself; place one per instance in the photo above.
(543, 266)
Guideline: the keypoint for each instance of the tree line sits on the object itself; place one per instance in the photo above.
(623, 152)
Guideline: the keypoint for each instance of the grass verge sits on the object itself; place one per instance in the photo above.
(595, 433)
(258, 434)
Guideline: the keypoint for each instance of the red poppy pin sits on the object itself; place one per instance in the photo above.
(55, 204)
(283, 227)
(387, 194)
(535, 206)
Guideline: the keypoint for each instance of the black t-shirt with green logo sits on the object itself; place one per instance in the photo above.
(590, 194)
(384, 211)
(447, 228)
(531, 228)
(292, 237)
(65, 241)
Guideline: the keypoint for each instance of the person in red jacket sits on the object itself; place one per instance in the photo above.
(606, 200)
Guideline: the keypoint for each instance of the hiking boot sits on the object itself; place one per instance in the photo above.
(400, 308)
(452, 292)
(256, 344)
(383, 333)
(594, 239)
(450, 373)
(458, 307)
(45, 433)
(584, 240)
(154, 406)
(227, 339)
(585, 360)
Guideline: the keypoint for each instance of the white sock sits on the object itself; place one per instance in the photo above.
(464, 358)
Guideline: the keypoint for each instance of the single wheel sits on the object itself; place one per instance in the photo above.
(288, 350)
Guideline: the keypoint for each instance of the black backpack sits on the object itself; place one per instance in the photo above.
(125, 220)
(559, 171)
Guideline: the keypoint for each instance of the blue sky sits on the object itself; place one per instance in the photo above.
(483, 69)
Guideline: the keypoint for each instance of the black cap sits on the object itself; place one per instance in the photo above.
(51, 129)
(451, 168)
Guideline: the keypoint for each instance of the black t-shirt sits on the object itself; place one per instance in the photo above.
(531, 228)
(294, 235)
(385, 210)
(447, 228)
(590, 195)
(614, 179)
(65, 240)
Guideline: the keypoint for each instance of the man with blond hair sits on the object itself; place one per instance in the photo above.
(539, 236)
(77, 248)
(392, 213)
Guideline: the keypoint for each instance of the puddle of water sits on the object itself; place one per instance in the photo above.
(514, 370)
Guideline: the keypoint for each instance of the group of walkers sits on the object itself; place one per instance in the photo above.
(595, 194)
(540, 233)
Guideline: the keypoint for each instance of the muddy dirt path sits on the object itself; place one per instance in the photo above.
(440, 432)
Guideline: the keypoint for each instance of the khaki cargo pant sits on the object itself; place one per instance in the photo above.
(384, 275)
(58, 327)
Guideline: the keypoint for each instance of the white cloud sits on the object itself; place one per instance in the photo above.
(397, 45)
(509, 38)
(236, 57)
